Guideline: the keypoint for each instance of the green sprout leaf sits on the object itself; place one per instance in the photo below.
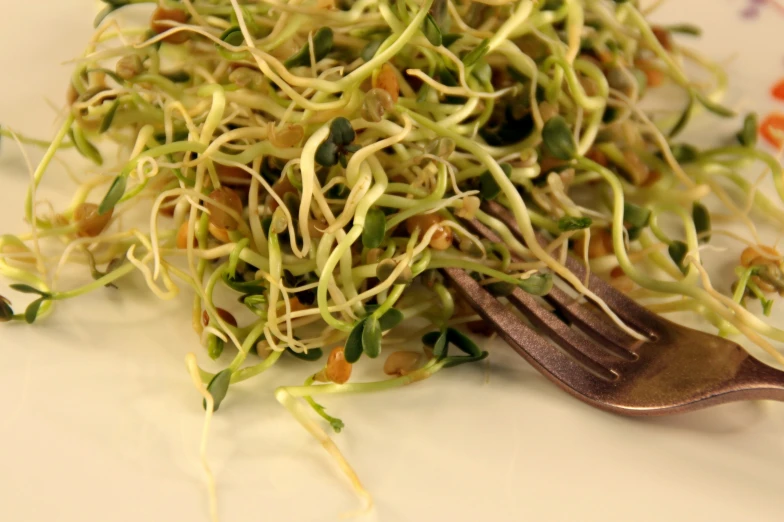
(702, 221)
(375, 228)
(214, 346)
(233, 36)
(6, 312)
(390, 319)
(635, 215)
(488, 188)
(438, 341)
(451, 362)
(113, 195)
(558, 139)
(31, 313)
(537, 284)
(715, 108)
(107, 120)
(27, 289)
(501, 288)
(370, 50)
(687, 29)
(353, 348)
(684, 118)
(313, 354)
(462, 342)
(432, 31)
(678, 251)
(218, 387)
(477, 53)
(371, 337)
(570, 223)
(450, 38)
(322, 45)
(327, 154)
(685, 153)
(253, 287)
(341, 132)
(84, 147)
(748, 134)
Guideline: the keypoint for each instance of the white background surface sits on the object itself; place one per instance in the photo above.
(100, 423)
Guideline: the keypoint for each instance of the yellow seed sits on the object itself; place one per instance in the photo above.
(219, 217)
(402, 363)
(182, 237)
(88, 222)
(129, 66)
(386, 79)
(338, 368)
(221, 234)
(442, 238)
(423, 222)
(159, 19)
(754, 256)
(286, 138)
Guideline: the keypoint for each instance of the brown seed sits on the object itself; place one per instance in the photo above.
(617, 272)
(480, 327)
(600, 245)
(219, 217)
(286, 138)
(225, 316)
(386, 79)
(422, 221)
(168, 205)
(635, 168)
(338, 368)
(402, 363)
(158, 24)
(753, 256)
(597, 156)
(442, 239)
(623, 284)
(663, 36)
(653, 74)
(232, 175)
(316, 227)
(88, 222)
(182, 237)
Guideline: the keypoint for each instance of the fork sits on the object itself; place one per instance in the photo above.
(677, 369)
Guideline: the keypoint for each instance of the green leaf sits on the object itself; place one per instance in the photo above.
(715, 108)
(390, 319)
(477, 53)
(178, 76)
(558, 139)
(371, 337)
(748, 134)
(353, 348)
(678, 251)
(439, 342)
(702, 220)
(27, 289)
(113, 195)
(31, 313)
(214, 346)
(370, 50)
(233, 36)
(451, 362)
(636, 216)
(432, 31)
(569, 223)
(341, 132)
(107, 120)
(488, 187)
(218, 387)
(313, 354)
(501, 288)
(462, 342)
(256, 303)
(84, 147)
(327, 154)
(450, 38)
(537, 284)
(322, 45)
(684, 119)
(6, 312)
(685, 153)
(375, 228)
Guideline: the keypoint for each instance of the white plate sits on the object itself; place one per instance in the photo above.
(100, 422)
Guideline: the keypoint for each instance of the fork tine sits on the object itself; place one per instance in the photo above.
(629, 311)
(620, 344)
(572, 341)
(538, 351)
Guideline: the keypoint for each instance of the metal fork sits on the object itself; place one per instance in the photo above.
(677, 369)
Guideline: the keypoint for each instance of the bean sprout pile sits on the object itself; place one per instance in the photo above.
(306, 167)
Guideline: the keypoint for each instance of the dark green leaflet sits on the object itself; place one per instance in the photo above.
(322, 45)
(84, 146)
(353, 348)
(688, 29)
(27, 289)
(6, 312)
(636, 216)
(500, 288)
(327, 154)
(371, 337)
(389, 320)
(715, 108)
(537, 284)
(558, 139)
(748, 134)
(232, 36)
(678, 251)
(432, 31)
(313, 354)
(439, 342)
(214, 347)
(218, 387)
(702, 221)
(375, 228)
(341, 132)
(107, 120)
(488, 187)
(569, 223)
(463, 343)
(451, 362)
(476, 54)
(113, 195)
(685, 153)
(684, 119)
(31, 313)
(370, 50)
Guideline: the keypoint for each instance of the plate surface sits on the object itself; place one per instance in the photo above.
(100, 421)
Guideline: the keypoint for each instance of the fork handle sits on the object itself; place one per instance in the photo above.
(756, 380)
